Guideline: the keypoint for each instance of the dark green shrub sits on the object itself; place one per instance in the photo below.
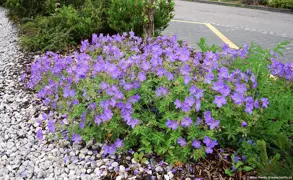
(2, 2)
(63, 29)
(288, 4)
(18, 9)
(127, 15)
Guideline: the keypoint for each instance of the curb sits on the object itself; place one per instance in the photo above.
(281, 10)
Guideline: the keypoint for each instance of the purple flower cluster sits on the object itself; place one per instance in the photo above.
(211, 122)
(209, 143)
(104, 80)
(284, 70)
(185, 122)
(112, 148)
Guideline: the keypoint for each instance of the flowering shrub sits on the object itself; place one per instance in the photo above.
(160, 97)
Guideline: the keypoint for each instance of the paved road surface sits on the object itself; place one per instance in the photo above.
(240, 25)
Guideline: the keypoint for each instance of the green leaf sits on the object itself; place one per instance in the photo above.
(228, 172)
(247, 168)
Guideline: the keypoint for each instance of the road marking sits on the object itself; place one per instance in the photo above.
(191, 22)
(221, 36)
(214, 30)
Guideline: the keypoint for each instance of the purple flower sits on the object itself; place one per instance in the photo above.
(172, 124)
(214, 124)
(265, 102)
(66, 159)
(181, 141)
(223, 73)
(51, 126)
(44, 116)
(198, 121)
(82, 125)
(193, 89)
(218, 85)
(162, 91)
(243, 158)
(145, 65)
(237, 98)
(197, 105)
(249, 141)
(189, 100)
(67, 92)
(185, 107)
(104, 85)
(170, 76)
(209, 150)
(196, 144)
(198, 93)
(209, 77)
(236, 159)
(243, 124)
(40, 134)
(134, 99)
(133, 122)
(161, 72)
(220, 101)
(177, 103)
(187, 79)
(141, 76)
(249, 105)
(241, 88)
(75, 102)
(185, 70)
(109, 149)
(118, 143)
(92, 106)
(256, 104)
(225, 91)
(76, 138)
(98, 120)
(186, 122)
(211, 121)
(209, 144)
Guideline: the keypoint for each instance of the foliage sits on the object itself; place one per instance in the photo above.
(237, 166)
(60, 24)
(288, 4)
(162, 97)
(63, 29)
(2, 2)
(29, 8)
(138, 157)
(23, 9)
(273, 129)
(124, 16)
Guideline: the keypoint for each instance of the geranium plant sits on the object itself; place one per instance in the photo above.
(158, 97)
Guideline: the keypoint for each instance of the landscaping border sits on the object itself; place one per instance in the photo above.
(281, 10)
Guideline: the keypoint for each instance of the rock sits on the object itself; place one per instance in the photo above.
(166, 177)
(114, 164)
(170, 174)
(159, 169)
(88, 171)
(121, 169)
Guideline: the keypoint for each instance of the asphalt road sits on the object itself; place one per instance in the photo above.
(239, 25)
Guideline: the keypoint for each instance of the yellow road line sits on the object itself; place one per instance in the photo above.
(192, 22)
(221, 36)
(214, 30)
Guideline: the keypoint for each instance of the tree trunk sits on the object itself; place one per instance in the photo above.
(149, 25)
